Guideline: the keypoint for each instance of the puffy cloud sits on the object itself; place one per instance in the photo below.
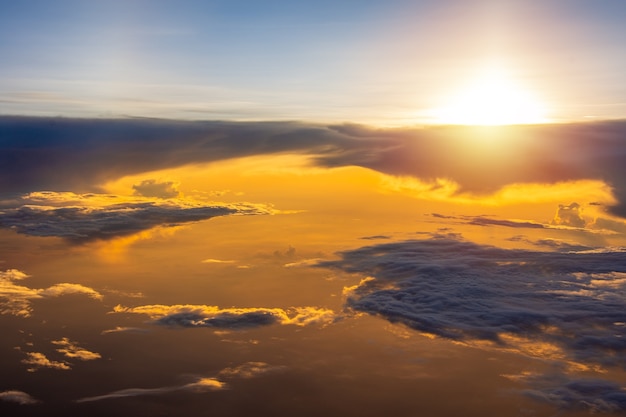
(20, 397)
(153, 188)
(198, 386)
(79, 154)
(72, 350)
(566, 393)
(561, 305)
(16, 299)
(39, 360)
(570, 215)
(82, 218)
(230, 318)
(67, 288)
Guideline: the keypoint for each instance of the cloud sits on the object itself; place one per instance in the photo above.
(303, 263)
(152, 188)
(570, 215)
(120, 329)
(230, 318)
(39, 360)
(488, 221)
(582, 394)
(554, 244)
(249, 370)
(216, 261)
(199, 385)
(72, 350)
(20, 397)
(80, 154)
(556, 305)
(83, 218)
(16, 299)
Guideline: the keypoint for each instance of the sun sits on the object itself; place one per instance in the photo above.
(492, 99)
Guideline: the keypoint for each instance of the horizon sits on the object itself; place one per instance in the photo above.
(274, 208)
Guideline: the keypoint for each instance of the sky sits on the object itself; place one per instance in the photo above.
(387, 63)
(304, 208)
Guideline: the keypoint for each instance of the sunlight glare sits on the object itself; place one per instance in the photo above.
(493, 99)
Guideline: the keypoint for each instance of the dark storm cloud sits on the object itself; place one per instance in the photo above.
(58, 153)
(82, 222)
(566, 393)
(574, 301)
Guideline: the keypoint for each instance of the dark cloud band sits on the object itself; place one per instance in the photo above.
(80, 154)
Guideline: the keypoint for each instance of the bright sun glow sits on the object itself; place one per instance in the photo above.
(493, 99)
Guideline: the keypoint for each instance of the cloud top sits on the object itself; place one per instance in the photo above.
(82, 218)
(230, 318)
(81, 154)
(516, 299)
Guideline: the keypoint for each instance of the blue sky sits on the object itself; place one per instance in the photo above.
(365, 61)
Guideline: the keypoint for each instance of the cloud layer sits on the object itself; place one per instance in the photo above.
(575, 394)
(80, 154)
(83, 217)
(230, 318)
(573, 302)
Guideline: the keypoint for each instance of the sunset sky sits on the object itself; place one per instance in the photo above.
(297, 208)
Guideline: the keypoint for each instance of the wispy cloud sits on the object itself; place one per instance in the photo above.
(230, 318)
(199, 385)
(17, 299)
(217, 261)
